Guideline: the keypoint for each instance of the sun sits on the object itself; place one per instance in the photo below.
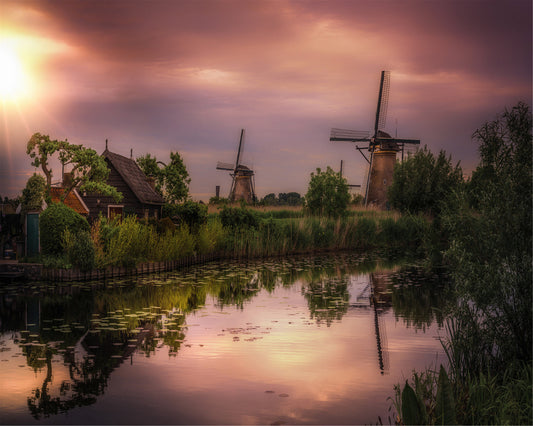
(12, 76)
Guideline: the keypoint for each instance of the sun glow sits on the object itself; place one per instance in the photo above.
(12, 76)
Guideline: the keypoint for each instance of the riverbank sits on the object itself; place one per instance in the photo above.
(128, 247)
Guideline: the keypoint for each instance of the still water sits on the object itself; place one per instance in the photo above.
(304, 340)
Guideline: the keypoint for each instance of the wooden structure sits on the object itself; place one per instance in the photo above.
(138, 191)
(382, 147)
(242, 185)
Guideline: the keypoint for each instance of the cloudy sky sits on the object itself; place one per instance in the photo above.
(159, 76)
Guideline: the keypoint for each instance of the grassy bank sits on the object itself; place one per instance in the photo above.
(241, 233)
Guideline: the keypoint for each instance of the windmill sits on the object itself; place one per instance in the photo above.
(242, 185)
(382, 147)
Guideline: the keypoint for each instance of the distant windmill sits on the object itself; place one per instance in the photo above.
(382, 146)
(242, 185)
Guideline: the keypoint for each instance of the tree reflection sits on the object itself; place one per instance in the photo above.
(420, 298)
(93, 328)
(327, 299)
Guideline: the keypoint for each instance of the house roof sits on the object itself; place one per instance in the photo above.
(73, 199)
(134, 177)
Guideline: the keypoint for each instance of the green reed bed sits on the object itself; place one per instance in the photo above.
(247, 235)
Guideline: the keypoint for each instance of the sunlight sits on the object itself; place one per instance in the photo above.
(12, 76)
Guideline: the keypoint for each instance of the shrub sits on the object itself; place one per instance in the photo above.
(189, 213)
(53, 222)
(327, 194)
(79, 249)
(423, 182)
(238, 218)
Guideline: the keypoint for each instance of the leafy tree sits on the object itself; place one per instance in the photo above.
(290, 199)
(491, 251)
(422, 183)
(327, 194)
(172, 179)
(270, 200)
(34, 193)
(89, 170)
(190, 213)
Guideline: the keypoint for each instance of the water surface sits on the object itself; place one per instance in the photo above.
(308, 340)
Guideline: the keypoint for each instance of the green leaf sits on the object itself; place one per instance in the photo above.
(445, 406)
(413, 413)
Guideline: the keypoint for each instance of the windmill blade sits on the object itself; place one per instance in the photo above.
(225, 166)
(345, 135)
(397, 140)
(241, 143)
(383, 102)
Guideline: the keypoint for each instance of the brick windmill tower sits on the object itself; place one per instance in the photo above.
(382, 148)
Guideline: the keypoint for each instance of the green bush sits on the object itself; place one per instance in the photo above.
(238, 218)
(327, 194)
(53, 222)
(79, 249)
(189, 213)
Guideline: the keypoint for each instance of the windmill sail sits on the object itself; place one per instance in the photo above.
(225, 166)
(383, 102)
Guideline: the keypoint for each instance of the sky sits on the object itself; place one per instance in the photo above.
(159, 76)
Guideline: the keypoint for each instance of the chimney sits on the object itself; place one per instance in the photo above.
(217, 191)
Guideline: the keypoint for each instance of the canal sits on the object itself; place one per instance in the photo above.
(302, 340)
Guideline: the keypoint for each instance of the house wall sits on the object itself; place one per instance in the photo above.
(130, 202)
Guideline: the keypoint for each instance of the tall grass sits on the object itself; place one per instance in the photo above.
(129, 241)
(274, 237)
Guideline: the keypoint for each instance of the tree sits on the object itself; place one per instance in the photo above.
(34, 192)
(270, 200)
(490, 225)
(422, 183)
(172, 180)
(327, 194)
(290, 199)
(89, 170)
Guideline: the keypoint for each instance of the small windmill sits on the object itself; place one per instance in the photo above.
(242, 185)
(382, 147)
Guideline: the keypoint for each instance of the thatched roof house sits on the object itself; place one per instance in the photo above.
(138, 191)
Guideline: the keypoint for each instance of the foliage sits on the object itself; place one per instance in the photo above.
(232, 217)
(53, 222)
(172, 179)
(210, 237)
(491, 248)
(327, 194)
(357, 200)
(422, 183)
(487, 227)
(283, 199)
(89, 170)
(33, 194)
(445, 406)
(218, 200)
(79, 249)
(413, 411)
(189, 213)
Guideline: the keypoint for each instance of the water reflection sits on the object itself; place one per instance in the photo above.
(87, 331)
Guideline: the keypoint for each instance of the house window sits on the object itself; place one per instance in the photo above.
(114, 211)
(146, 213)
